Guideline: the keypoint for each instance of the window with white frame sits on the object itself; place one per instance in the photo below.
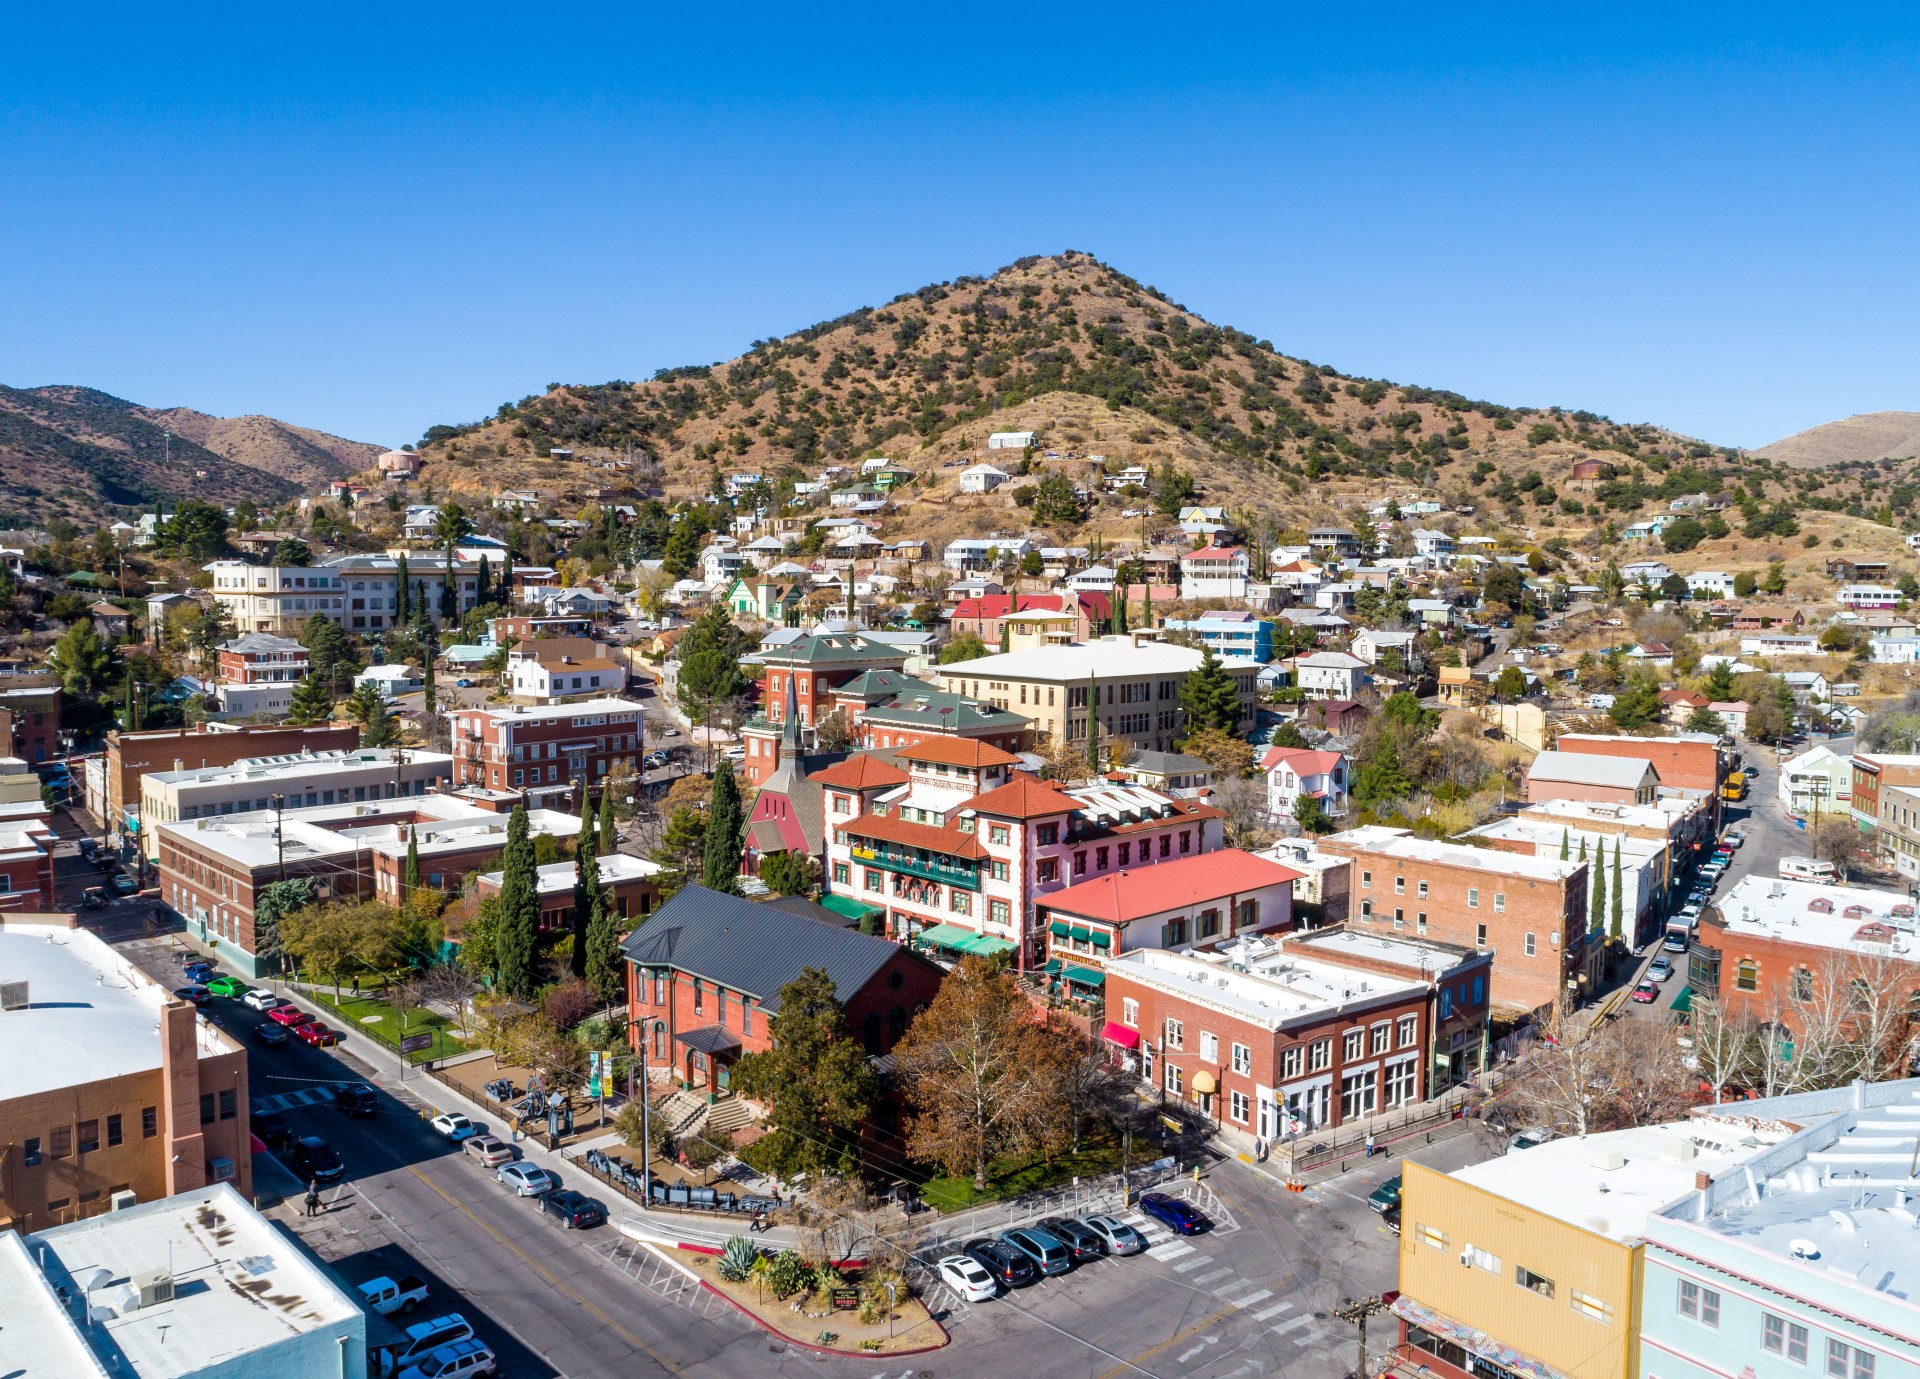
(1176, 1035)
(1354, 1045)
(1359, 1094)
(1473, 897)
(1499, 902)
(1237, 1106)
(1242, 1058)
(1483, 1259)
(1173, 1080)
(1320, 1055)
(1403, 1082)
(1409, 1030)
(1778, 1336)
(1422, 888)
(1529, 943)
(1382, 1036)
(1291, 1059)
(1209, 1047)
(1129, 1012)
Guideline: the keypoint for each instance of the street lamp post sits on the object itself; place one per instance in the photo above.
(279, 833)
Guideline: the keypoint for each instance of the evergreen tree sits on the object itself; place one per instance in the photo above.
(1719, 683)
(1583, 849)
(1382, 777)
(609, 832)
(519, 910)
(480, 583)
(1565, 846)
(1146, 601)
(410, 882)
(506, 576)
(1120, 604)
(1615, 915)
(720, 857)
(1597, 889)
(449, 596)
(587, 899)
(311, 703)
(1209, 697)
(403, 593)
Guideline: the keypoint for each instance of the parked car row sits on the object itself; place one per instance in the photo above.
(988, 1265)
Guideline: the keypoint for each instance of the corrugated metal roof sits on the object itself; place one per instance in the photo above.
(758, 949)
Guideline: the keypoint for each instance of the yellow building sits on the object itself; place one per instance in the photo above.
(1528, 1265)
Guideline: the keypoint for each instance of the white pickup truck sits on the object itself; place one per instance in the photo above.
(387, 1296)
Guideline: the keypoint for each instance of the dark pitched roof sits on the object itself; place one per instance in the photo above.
(755, 948)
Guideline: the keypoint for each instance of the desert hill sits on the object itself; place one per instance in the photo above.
(1096, 362)
(1862, 438)
(82, 453)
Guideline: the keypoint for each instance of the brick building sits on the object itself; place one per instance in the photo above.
(706, 971)
(1286, 1038)
(109, 1085)
(545, 749)
(1799, 954)
(129, 756)
(983, 615)
(1693, 764)
(1531, 911)
(1587, 776)
(258, 672)
(211, 870)
(26, 857)
(961, 857)
(631, 885)
(30, 716)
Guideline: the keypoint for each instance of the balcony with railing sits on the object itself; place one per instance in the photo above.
(918, 862)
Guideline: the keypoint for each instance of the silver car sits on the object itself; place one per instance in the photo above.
(1121, 1238)
(527, 1180)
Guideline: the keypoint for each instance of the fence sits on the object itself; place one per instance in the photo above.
(1335, 1147)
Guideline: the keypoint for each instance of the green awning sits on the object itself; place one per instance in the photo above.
(1079, 935)
(953, 936)
(1086, 976)
(848, 907)
(986, 946)
(1101, 938)
(1059, 928)
(1684, 1001)
(1052, 968)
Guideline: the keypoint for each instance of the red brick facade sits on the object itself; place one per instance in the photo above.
(545, 749)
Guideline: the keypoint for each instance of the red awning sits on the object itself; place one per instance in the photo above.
(1119, 1034)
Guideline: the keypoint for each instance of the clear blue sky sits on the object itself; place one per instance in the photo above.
(371, 222)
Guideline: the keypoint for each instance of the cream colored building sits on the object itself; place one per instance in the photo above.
(1135, 677)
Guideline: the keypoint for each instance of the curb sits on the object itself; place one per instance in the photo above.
(946, 1337)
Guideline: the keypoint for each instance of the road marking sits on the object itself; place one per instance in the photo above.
(1187, 1355)
(1172, 1252)
(1198, 1261)
(1293, 1324)
(1250, 1299)
(1268, 1312)
(559, 1287)
(1202, 1280)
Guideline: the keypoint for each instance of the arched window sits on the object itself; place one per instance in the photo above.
(1803, 984)
(896, 1025)
(1746, 975)
(872, 1032)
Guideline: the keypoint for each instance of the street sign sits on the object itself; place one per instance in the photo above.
(415, 1043)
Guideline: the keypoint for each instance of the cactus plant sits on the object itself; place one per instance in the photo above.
(737, 1259)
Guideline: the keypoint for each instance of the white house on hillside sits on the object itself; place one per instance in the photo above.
(982, 478)
(1295, 771)
(1214, 572)
(1331, 675)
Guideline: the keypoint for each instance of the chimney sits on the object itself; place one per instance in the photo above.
(1702, 1181)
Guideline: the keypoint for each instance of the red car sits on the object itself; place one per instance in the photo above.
(1646, 991)
(288, 1015)
(315, 1035)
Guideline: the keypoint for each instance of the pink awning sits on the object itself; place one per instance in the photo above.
(1119, 1034)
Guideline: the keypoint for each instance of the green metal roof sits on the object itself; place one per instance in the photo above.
(848, 906)
(987, 946)
(955, 936)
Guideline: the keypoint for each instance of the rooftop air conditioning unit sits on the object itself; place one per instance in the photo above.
(13, 996)
(1607, 1160)
(122, 1200)
(154, 1287)
(1681, 1151)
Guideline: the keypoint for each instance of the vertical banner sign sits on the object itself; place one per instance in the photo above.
(593, 1074)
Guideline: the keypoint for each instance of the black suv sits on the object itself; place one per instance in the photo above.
(1008, 1266)
(272, 1128)
(356, 1099)
(313, 1157)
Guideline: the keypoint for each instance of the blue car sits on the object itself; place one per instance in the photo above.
(1180, 1217)
(197, 971)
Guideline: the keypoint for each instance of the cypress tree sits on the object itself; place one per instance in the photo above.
(1564, 845)
(480, 583)
(519, 909)
(506, 576)
(1614, 914)
(1597, 890)
(411, 881)
(1146, 602)
(586, 883)
(449, 596)
(402, 593)
(720, 857)
(609, 831)
(1120, 605)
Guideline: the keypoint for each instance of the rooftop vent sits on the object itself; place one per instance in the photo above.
(1678, 1150)
(153, 1287)
(1607, 1160)
(13, 996)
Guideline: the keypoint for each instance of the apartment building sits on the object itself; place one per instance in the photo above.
(1693, 765)
(1214, 572)
(110, 1084)
(1531, 911)
(1873, 771)
(1270, 1037)
(258, 673)
(1127, 685)
(960, 847)
(360, 592)
(1784, 952)
(212, 870)
(295, 780)
(556, 670)
(545, 750)
(1233, 634)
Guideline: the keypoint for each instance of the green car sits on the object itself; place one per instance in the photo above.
(227, 986)
(1387, 1196)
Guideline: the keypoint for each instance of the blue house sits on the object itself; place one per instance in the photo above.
(1237, 635)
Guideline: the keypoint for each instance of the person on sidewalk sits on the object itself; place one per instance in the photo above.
(1369, 1144)
(313, 1198)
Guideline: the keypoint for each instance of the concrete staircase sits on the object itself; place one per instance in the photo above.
(727, 1116)
(682, 1112)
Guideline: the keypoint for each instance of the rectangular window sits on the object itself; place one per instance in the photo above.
(1484, 1259)
(1473, 897)
(1242, 1058)
(1401, 1083)
(1366, 908)
(149, 1122)
(115, 1133)
(1422, 889)
(1237, 1102)
(1355, 1045)
(1589, 1306)
(1173, 1080)
(1209, 1047)
(842, 874)
(228, 1106)
(1366, 880)
(206, 1108)
(1701, 1304)
(1839, 1354)
(873, 879)
(1529, 943)
(1782, 1337)
(1047, 870)
(1320, 1055)
(1291, 1059)
(999, 912)
(1409, 1030)
(89, 1136)
(962, 903)
(999, 871)
(1421, 926)
(1399, 885)
(1359, 1094)
(1176, 1035)
(1532, 1282)
(699, 995)
(1079, 864)
(1047, 835)
(1480, 935)
(997, 833)
(1130, 1012)
(1499, 902)
(30, 1151)
(1430, 1236)
(1382, 1036)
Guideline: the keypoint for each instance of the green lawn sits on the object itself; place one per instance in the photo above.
(354, 1009)
(1011, 1177)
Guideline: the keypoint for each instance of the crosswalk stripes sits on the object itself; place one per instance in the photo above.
(1269, 1313)
(1212, 1276)
(1197, 1262)
(1292, 1324)
(1249, 1300)
(286, 1101)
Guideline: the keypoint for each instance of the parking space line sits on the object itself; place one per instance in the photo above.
(1267, 1313)
(1198, 1261)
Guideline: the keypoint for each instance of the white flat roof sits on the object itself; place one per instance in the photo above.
(239, 1285)
(41, 1338)
(1661, 814)
(445, 823)
(1382, 841)
(556, 877)
(1277, 989)
(296, 766)
(1769, 907)
(1541, 834)
(578, 709)
(91, 1014)
(1351, 943)
(1565, 1178)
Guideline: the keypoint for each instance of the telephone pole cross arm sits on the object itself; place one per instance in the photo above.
(1357, 1313)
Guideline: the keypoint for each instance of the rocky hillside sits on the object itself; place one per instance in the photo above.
(1858, 439)
(84, 454)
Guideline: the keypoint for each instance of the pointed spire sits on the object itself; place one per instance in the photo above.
(790, 727)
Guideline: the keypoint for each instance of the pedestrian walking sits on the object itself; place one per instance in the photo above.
(1369, 1144)
(313, 1198)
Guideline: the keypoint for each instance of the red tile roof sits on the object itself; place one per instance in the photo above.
(1093, 605)
(1135, 893)
(1024, 797)
(1303, 760)
(947, 839)
(861, 771)
(958, 751)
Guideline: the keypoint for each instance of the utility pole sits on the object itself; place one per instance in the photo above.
(1357, 1312)
(279, 833)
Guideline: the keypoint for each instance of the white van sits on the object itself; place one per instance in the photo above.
(1807, 869)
